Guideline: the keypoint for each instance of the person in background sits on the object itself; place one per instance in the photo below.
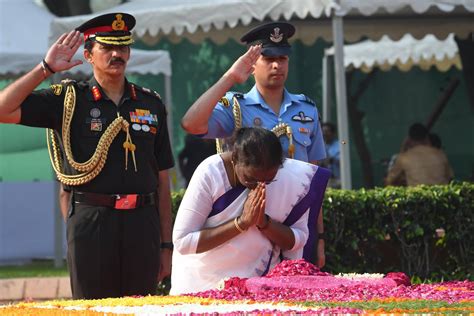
(268, 104)
(332, 153)
(113, 135)
(64, 196)
(435, 140)
(420, 163)
(195, 150)
(401, 180)
(242, 210)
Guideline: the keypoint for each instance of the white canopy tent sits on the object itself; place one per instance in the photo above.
(385, 54)
(221, 20)
(21, 47)
(404, 54)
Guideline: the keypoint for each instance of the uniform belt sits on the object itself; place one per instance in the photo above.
(117, 201)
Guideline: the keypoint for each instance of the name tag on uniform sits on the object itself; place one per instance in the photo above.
(303, 130)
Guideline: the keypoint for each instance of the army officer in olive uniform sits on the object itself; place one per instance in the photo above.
(109, 142)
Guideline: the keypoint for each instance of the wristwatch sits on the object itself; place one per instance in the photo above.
(321, 236)
(167, 245)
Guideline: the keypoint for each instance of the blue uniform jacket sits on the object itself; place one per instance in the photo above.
(297, 110)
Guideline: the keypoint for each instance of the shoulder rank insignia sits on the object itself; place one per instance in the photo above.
(133, 92)
(224, 102)
(308, 100)
(301, 117)
(96, 93)
(57, 88)
(151, 92)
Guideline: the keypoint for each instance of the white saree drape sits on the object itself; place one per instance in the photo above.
(250, 253)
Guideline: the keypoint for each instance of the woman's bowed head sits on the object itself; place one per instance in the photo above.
(256, 157)
(254, 162)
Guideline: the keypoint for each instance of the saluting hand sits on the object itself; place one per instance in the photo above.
(60, 53)
(243, 67)
(254, 207)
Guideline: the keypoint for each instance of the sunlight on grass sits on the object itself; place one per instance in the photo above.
(35, 268)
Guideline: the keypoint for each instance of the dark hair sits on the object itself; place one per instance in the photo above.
(418, 132)
(257, 147)
(435, 140)
(331, 126)
(88, 44)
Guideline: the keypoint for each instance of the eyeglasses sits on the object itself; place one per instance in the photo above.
(254, 183)
(242, 173)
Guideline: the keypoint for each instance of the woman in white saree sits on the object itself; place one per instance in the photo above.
(242, 212)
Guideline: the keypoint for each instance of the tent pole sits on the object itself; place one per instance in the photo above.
(326, 89)
(58, 219)
(169, 106)
(341, 97)
(174, 173)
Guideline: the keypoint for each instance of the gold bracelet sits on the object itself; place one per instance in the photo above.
(236, 224)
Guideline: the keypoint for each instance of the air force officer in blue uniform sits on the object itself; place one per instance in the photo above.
(266, 105)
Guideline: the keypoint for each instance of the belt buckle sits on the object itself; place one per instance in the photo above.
(126, 201)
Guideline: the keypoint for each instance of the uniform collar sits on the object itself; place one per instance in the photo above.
(254, 97)
(96, 93)
(288, 100)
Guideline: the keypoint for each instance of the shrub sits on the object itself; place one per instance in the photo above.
(424, 231)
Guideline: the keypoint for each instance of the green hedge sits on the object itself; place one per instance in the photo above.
(399, 229)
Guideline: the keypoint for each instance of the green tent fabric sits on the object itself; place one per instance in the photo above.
(29, 165)
(17, 138)
(23, 152)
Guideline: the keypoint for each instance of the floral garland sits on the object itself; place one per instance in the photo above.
(235, 297)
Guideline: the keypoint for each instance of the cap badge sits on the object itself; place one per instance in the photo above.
(276, 37)
(118, 24)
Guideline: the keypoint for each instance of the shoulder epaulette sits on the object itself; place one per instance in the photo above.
(68, 81)
(307, 100)
(148, 91)
(58, 87)
(238, 95)
(82, 84)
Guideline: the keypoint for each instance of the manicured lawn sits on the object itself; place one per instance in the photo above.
(35, 268)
